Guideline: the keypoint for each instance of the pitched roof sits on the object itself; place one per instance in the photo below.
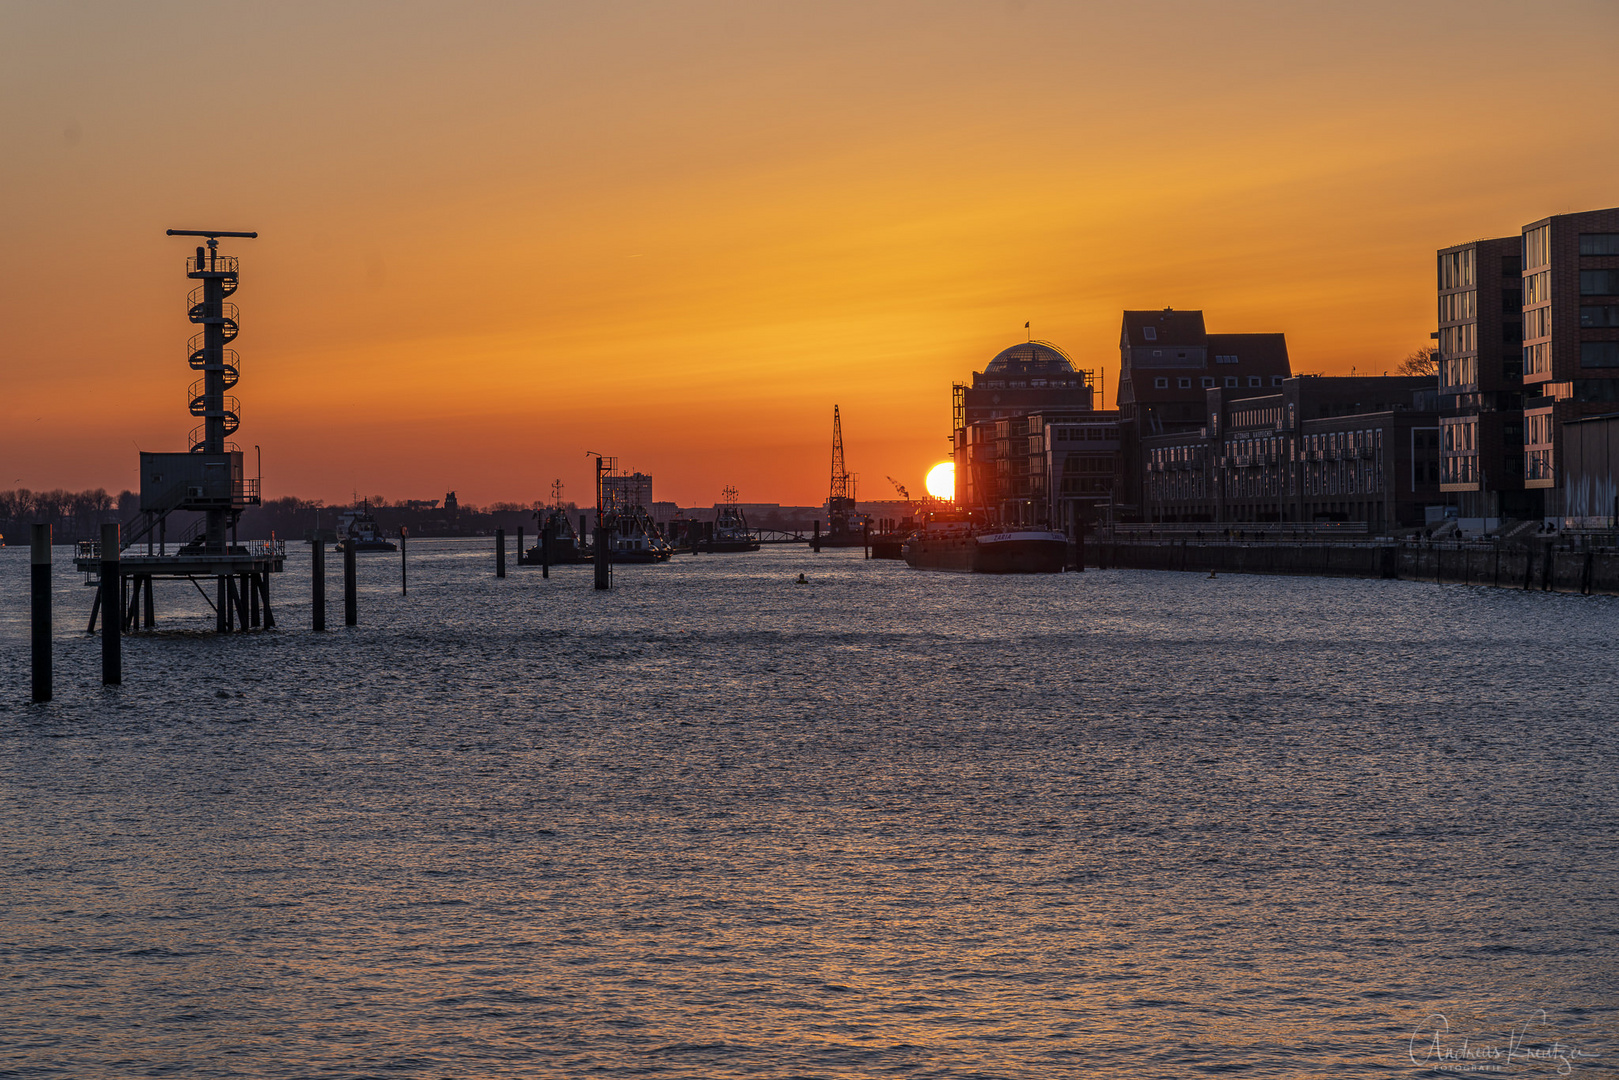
(1169, 327)
(1257, 354)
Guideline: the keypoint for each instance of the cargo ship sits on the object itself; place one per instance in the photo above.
(968, 548)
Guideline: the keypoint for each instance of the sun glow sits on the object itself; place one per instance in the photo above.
(942, 480)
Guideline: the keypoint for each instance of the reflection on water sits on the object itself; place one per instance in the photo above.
(717, 823)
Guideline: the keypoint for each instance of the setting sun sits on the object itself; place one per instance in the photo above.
(942, 480)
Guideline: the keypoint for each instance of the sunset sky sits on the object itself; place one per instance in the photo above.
(493, 237)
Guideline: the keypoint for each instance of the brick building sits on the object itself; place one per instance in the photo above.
(1480, 355)
(1314, 449)
(1167, 364)
(1570, 337)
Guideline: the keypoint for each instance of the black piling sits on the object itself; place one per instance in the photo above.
(815, 540)
(865, 538)
(351, 598)
(41, 590)
(545, 551)
(404, 573)
(500, 552)
(317, 584)
(112, 603)
(522, 552)
(604, 559)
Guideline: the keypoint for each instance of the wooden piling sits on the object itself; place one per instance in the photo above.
(865, 538)
(112, 616)
(500, 552)
(351, 599)
(545, 550)
(604, 558)
(815, 540)
(522, 552)
(317, 584)
(41, 597)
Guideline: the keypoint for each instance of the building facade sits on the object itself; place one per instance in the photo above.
(1570, 337)
(999, 438)
(1168, 362)
(1315, 449)
(1480, 362)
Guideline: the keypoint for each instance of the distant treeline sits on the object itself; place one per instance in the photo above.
(78, 515)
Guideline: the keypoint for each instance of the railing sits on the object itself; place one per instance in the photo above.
(219, 264)
(267, 549)
(228, 313)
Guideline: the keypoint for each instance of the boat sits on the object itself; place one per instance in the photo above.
(731, 532)
(967, 547)
(634, 538)
(357, 528)
(565, 547)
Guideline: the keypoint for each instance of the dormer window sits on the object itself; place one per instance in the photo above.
(1150, 333)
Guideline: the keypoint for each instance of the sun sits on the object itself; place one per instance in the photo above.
(942, 480)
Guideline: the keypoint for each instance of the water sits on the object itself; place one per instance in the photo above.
(889, 823)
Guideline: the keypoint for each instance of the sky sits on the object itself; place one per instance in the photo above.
(494, 237)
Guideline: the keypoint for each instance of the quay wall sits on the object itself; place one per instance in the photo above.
(1544, 567)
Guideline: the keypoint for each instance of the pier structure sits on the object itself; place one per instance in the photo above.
(208, 480)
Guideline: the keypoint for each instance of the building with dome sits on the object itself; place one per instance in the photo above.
(1028, 443)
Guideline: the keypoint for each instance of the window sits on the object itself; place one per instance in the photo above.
(1185, 384)
(1599, 282)
(1150, 333)
(1537, 323)
(1255, 380)
(1231, 381)
(1537, 247)
(1599, 354)
(1511, 301)
(1607, 315)
(1276, 380)
(1226, 359)
(1602, 243)
(1161, 383)
(1208, 381)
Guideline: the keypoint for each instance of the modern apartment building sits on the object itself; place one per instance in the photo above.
(1570, 337)
(1168, 362)
(1480, 354)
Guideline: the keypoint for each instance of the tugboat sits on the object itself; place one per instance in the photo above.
(970, 548)
(731, 532)
(636, 539)
(358, 528)
(565, 545)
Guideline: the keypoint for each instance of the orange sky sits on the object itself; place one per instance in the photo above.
(496, 236)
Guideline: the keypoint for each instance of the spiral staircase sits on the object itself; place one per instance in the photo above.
(227, 317)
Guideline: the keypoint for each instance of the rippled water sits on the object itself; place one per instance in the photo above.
(889, 823)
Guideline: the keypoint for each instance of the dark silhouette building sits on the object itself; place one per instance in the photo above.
(1167, 364)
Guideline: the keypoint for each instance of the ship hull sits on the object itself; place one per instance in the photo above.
(993, 553)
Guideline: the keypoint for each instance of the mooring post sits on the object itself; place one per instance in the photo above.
(521, 551)
(112, 603)
(865, 538)
(351, 600)
(404, 574)
(604, 558)
(41, 590)
(545, 550)
(317, 584)
(815, 540)
(500, 552)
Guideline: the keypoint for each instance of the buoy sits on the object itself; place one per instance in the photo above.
(802, 580)
(1212, 573)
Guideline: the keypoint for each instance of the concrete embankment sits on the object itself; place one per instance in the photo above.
(1546, 567)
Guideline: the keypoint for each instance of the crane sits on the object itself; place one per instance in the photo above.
(899, 488)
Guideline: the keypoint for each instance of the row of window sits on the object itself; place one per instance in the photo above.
(1454, 307)
(1537, 323)
(1537, 247)
(1599, 282)
(1232, 382)
(1456, 269)
(1602, 243)
(1455, 340)
(1537, 288)
(1606, 315)
(1460, 436)
(1599, 354)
